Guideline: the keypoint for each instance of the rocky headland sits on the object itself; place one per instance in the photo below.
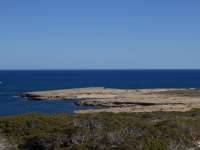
(124, 100)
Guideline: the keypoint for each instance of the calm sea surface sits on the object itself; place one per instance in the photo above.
(14, 82)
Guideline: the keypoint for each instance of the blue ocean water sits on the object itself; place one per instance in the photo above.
(13, 83)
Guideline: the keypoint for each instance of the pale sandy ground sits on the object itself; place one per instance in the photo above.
(125, 100)
(169, 108)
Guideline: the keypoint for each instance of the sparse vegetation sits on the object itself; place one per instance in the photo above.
(105, 131)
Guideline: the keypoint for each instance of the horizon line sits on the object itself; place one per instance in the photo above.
(97, 69)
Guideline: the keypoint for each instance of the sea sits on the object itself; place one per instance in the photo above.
(14, 82)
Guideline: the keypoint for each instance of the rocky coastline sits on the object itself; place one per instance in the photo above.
(124, 100)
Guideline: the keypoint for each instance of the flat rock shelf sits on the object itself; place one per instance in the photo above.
(124, 100)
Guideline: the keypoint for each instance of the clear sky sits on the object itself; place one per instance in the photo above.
(99, 34)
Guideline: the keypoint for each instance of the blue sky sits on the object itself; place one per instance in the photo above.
(99, 34)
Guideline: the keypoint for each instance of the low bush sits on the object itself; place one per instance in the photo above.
(104, 131)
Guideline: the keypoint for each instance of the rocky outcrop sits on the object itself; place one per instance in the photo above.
(155, 99)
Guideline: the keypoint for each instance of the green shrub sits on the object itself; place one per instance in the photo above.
(104, 131)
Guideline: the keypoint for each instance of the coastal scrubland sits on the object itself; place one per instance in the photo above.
(104, 131)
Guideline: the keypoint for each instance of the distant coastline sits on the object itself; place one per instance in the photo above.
(16, 82)
(124, 100)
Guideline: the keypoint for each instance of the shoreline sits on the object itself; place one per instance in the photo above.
(124, 100)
